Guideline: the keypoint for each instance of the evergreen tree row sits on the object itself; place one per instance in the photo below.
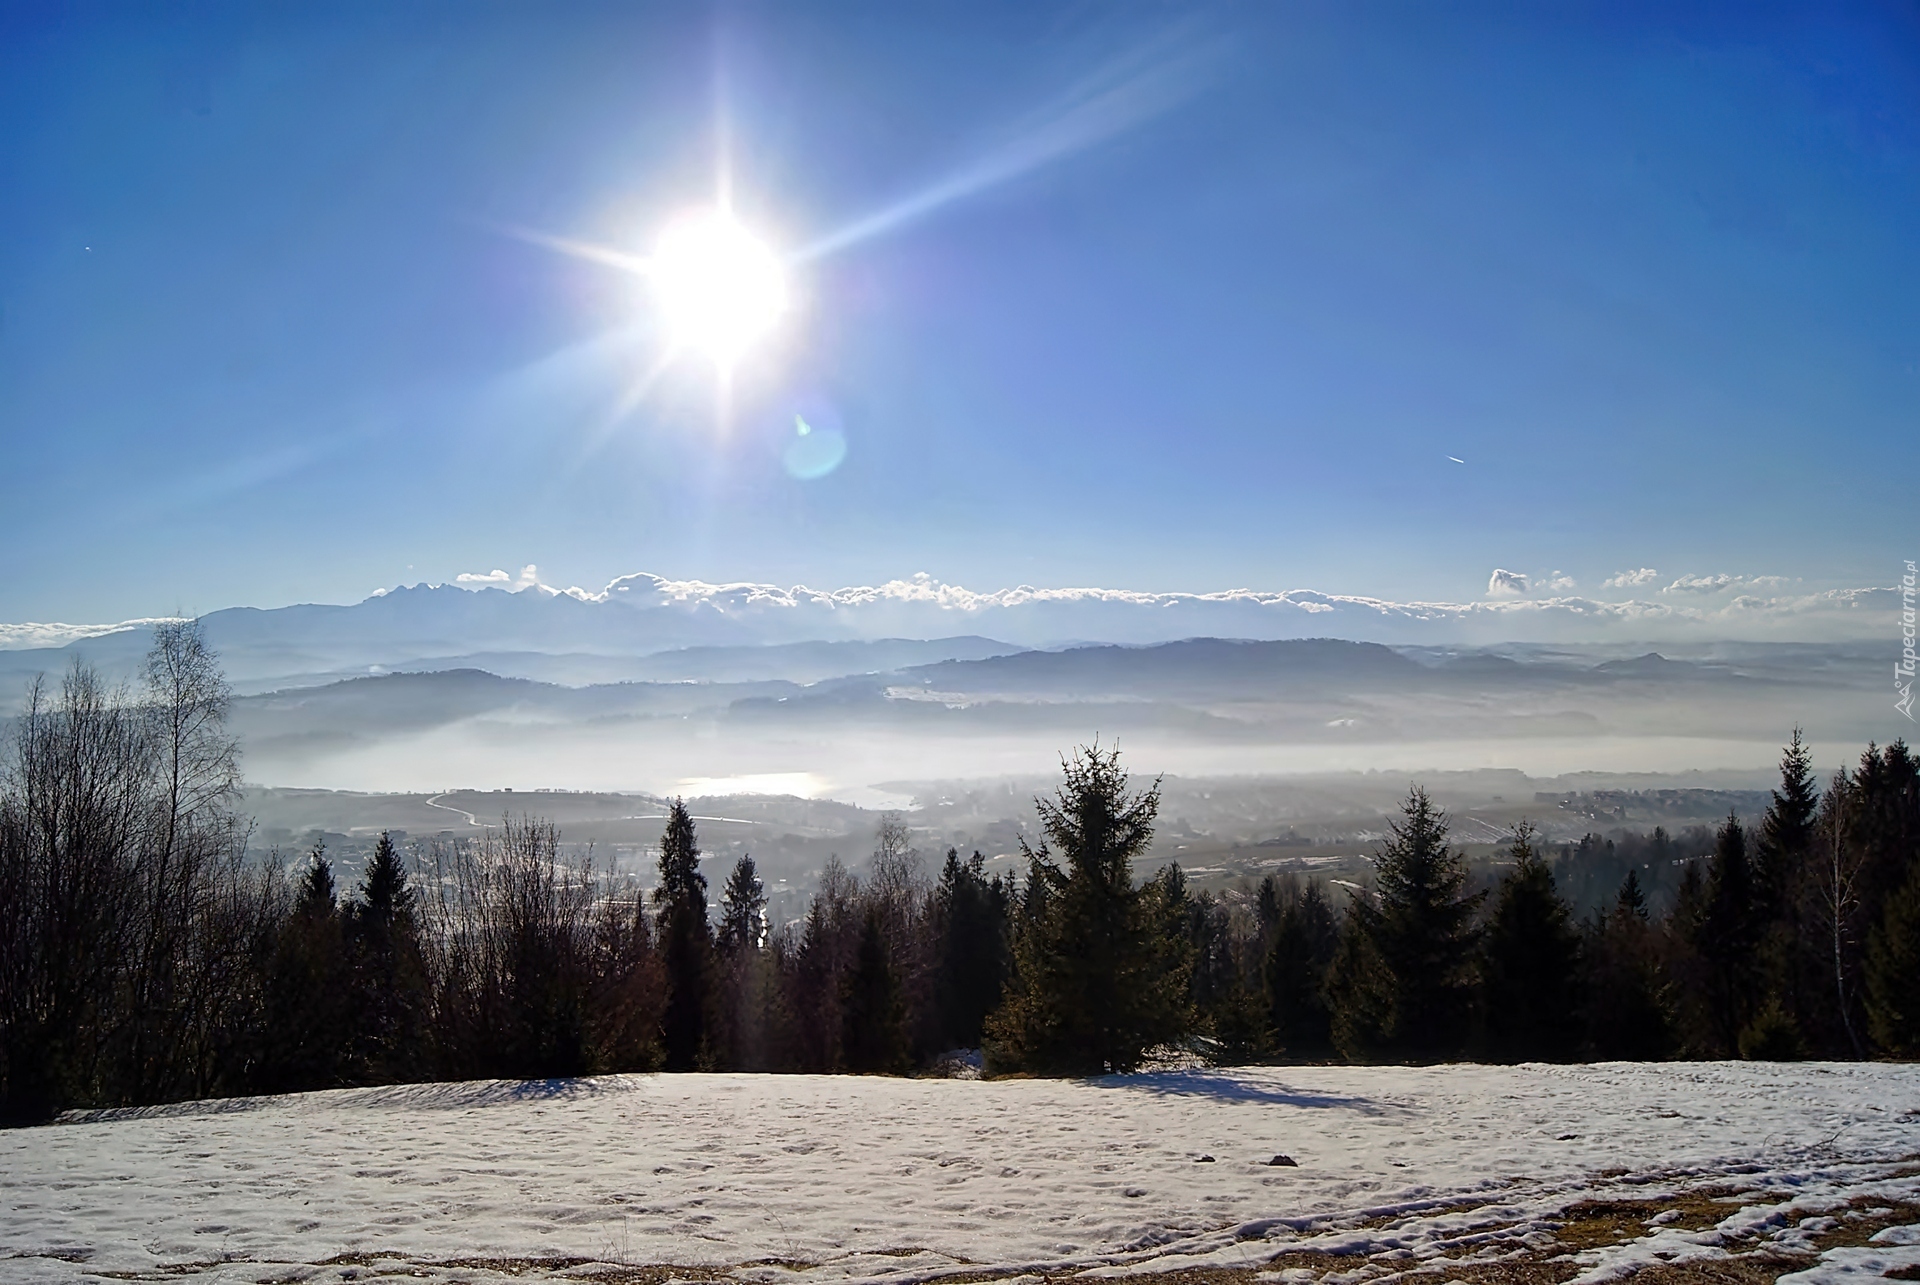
(143, 958)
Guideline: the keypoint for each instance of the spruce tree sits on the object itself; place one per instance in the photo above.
(1887, 823)
(1300, 949)
(1361, 994)
(1532, 955)
(742, 909)
(1418, 928)
(873, 1038)
(1628, 998)
(316, 899)
(1726, 936)
(685, 941)
(1632, 900)
(1266, 908)
(1893, 972)
(389, 982)
(384, 892)
(306, 1009)
(1786, 832)
(740, 986)
(1885, 838)
(1099, 980)
(1791, 969)
(971, 959)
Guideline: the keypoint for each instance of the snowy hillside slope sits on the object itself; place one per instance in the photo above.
(796, 1179)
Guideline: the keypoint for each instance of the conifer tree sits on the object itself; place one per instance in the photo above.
(384, 892)
(1532, 955)
(1266, 909)
(389, 973)
(1099, 981)
(1361, 993)
(1418, 928)
(971, 960)
(818, 965)
(1627, 993)
(743, 909)
(1793, 972)
(873, 1036)
(1893, 972)
(1884, 836)
(1726, 935)
(1786, 832)
(306, 1012)
(1887, 821)
(316, 900)
(685, 941)
(741, 985)
(1632, 900)
(1300, 950)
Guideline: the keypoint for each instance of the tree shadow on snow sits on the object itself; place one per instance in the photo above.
(1234, 1088)
(452, 1095)
(458, 1094)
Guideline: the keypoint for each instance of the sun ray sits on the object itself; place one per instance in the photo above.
(1126, 93)
(587, 250)
(631, 397)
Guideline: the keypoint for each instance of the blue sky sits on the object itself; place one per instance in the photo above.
(1248, 276)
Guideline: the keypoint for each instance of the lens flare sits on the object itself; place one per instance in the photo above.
(720, 287)
(813, 452)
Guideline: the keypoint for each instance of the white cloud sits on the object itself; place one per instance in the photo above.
(925, 607)
(1702, 584)
(1723, 582)
(1630, 579)
(1506, 584)
(1559, 582)
(528, 578)
(29, 635)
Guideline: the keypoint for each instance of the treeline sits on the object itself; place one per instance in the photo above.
(144, 957)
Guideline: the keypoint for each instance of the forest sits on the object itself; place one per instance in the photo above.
(148, 954)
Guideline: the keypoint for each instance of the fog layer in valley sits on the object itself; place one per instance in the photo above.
(702, 691)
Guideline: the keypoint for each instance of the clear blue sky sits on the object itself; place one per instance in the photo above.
(1652, 272)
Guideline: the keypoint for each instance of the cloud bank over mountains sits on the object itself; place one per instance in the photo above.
(1518, 608)
(496, 608)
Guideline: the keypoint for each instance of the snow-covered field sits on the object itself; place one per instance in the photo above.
(1449, 1172)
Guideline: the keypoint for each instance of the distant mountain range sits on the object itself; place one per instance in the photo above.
(1204, 692)
(664, 684)
(636, 616)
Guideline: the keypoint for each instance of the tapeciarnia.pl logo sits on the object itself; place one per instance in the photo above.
(1903, 668)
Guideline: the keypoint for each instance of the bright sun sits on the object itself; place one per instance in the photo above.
(720, 286)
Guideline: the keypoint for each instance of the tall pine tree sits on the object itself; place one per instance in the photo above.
(686, 943)
(971, 955)
(389, 972)
(1532, 959)
(1791, 968)
(873, 1037)
(1628, 998)
(306, 1009)
(743, 909)
(1099, 979)
(1786, 832)
(1410, 975)
(1300, 950)
(1726, 936)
